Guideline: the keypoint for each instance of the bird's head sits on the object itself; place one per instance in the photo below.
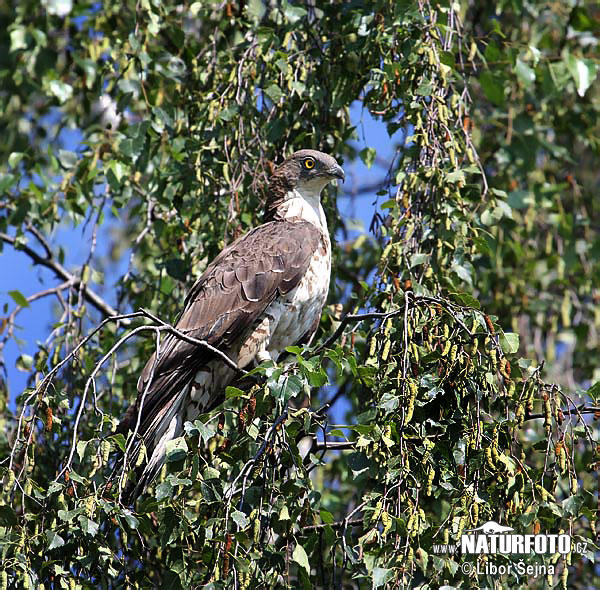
(306, 171)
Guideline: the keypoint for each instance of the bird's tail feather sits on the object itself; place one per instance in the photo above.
(166, 425)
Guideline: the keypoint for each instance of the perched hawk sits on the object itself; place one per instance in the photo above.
(262, 293)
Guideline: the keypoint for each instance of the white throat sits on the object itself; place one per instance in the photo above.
(305, 202)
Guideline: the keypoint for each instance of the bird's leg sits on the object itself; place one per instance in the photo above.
(262, 356)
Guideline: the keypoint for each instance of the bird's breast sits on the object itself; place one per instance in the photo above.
(297, 312)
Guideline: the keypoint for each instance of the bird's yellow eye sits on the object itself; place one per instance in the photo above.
(309, 163)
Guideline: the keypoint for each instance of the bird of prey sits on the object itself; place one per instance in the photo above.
(262, 293)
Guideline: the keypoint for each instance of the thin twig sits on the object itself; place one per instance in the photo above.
(192, 340)
(326, 445)
(572, 411)
(62, 273)
(334, 525)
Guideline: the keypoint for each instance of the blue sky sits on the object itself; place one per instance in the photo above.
(34, 323)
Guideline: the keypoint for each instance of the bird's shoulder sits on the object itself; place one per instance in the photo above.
(276, 251)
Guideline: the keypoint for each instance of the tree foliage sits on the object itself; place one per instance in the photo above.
(461, 338)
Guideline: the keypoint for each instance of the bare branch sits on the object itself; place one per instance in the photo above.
(62, 273)
(161, 327)
(354, 318)
(573, 411)
(334, 525)
(40, 238)
(325, 445)
(191, 340)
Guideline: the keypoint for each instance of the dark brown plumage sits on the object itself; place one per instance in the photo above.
(262, 293)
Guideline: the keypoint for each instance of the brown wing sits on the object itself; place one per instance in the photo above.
(229, 296)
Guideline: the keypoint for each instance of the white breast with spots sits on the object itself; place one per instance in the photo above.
(296, 313)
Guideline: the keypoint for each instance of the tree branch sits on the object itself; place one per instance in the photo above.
(351, 318)
(412, 299)
(333, 525)
(580, 410)
(90, 382)
(202, 343)
(61, 272)
(324, 445)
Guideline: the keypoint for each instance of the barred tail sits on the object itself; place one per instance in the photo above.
(166, 425)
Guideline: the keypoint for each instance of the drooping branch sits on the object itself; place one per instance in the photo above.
(157, 329)
(449, 307)
(569, 412)
(191, 340)
(334, 525)
(62, 273)
(355, 318)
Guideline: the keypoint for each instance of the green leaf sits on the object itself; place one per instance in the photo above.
(594, 390)
(176, 449)
(274, 92)
(24, 363)
(509, 341)
(176, 268)
(232, 392)
(317, 378)
(17, 38)
(229, 113)
(119, 440)
(59, 7)
(293, 13)
(583, 72)
(60, 90)
(15, 158)
(367, 155)
(482, 245)
(447, 59)
(300, 557)
(418, 259)
(381, 576)
(211, 473)
(456, 176)
(54, 540)
(581, 21)
(164, 490)
(284, 513)
(463, 272)
(19, 298)
(67, 158)
(520, 199)
(88, 526)
(466, 299)
(492, 87)
(68, 515)
(425, 88)
(525, 74)
(6, 182)
(285, 387)
(572, 505)
(240, 519)
(81, 446)
(207, 431)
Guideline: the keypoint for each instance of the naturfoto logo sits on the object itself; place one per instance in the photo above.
(491, 538)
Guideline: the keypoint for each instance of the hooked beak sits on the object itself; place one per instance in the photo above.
(337, 172)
